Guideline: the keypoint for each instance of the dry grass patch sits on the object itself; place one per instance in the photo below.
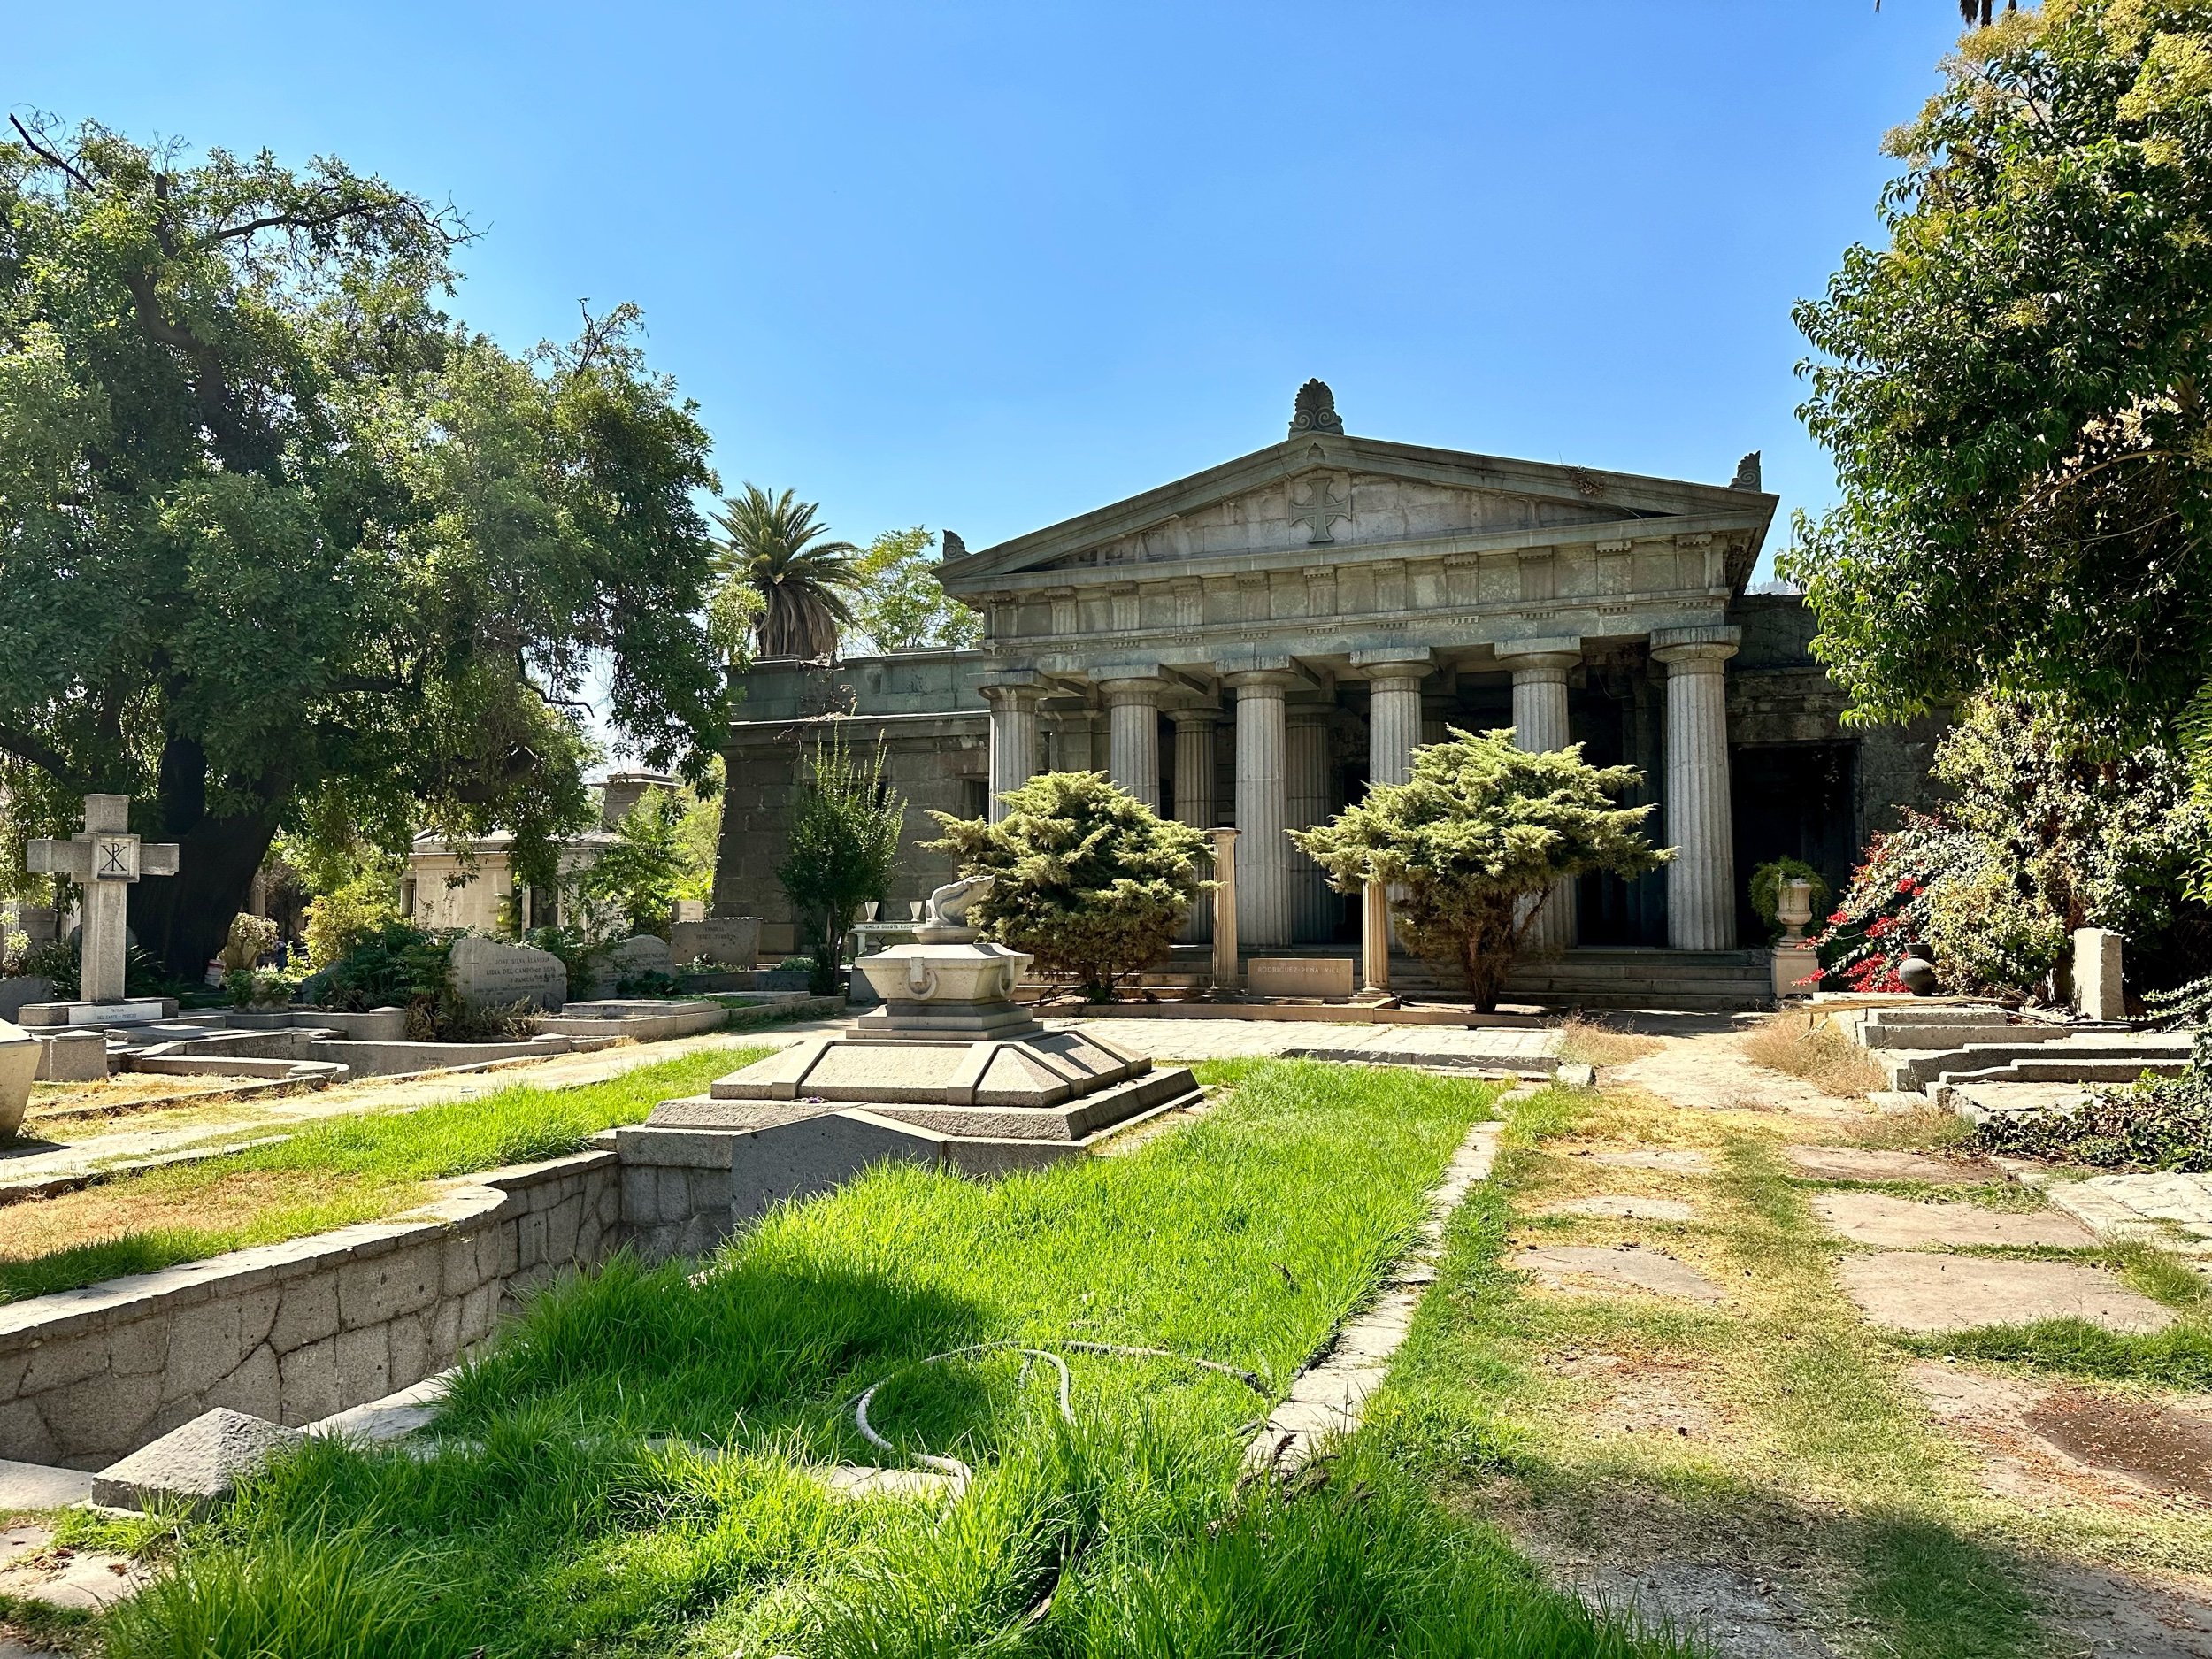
(264, 1200)
(1822, 1057)
(1593, 1043)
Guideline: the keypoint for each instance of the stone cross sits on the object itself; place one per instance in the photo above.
(105, 860)
(1321, 510)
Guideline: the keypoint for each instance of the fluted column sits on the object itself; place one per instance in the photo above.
(1263, 854)
(1194, 792)
(1132, 734)
(1306, 803)
(1702, 880)
(1013, 738)
(1393, 712)
(1540, 726)
(1393, 717)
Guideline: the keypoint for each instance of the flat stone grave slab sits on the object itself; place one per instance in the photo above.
(1878, 1218)
(1866, 1163)
(1625, 1267)
(1675, 1161)
(198, 1464)
(1626, 1206)
(1912, 1291)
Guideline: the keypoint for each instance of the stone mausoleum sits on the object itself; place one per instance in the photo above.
(1254, 644)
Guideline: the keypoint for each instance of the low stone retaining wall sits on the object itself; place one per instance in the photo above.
(294, 1331)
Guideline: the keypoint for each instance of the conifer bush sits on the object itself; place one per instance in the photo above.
(1088, 879)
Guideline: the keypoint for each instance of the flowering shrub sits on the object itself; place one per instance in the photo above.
(1886, 908)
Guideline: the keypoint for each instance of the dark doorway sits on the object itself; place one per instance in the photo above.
(1791, 801)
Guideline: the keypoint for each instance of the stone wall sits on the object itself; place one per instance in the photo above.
(298, 1331)
(935, 733)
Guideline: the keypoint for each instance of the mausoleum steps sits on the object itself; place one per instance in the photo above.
(2028, 1054)
(1688, 981)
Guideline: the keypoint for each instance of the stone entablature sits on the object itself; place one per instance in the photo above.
(1326, 544)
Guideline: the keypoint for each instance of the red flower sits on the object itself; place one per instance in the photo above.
(1841, 918)
(1909, 886)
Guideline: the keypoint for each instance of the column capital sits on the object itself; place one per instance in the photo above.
(1695, 650)
(1130, 682)
(1547, 659)
(1260, 682)
(1394, 662)
(1014, 690)
(1195, 714)
(1254, 663)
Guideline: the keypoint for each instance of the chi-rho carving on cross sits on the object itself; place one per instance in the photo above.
(105, 861)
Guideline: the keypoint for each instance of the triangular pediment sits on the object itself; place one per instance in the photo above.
(1328, 496)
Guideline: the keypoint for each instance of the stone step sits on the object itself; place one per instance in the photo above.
(1916, 1069)
(2076, 1070)
(1951, 1035)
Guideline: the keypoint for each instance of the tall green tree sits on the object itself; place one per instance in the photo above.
(1473, 843)
(899, 603)
(2014, 389)
(282, 542)
(773, 545)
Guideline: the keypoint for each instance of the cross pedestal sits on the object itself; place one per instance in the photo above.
(105, 861)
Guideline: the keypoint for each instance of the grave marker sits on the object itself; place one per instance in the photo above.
(105, 860)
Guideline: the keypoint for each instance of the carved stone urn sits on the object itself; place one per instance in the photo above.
(1793, 908)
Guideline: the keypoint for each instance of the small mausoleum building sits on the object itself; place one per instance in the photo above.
(1255, 645)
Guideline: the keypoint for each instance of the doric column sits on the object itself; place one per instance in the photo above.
(1393, 715)
(1194, 792)
(1132, 697)
(1013, 737)
(1306, 803)
(1702, 880)
(1393, 712)
(1540, 726)
(1263, 858)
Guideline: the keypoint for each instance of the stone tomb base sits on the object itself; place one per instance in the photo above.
(810, 1117)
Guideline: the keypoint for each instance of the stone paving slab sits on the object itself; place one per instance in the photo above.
(1675, 1161)
(1624, 1267)
(2174, 1211)
(1912, 1291)
(32, 1569)
(1878, 1218)
(1624, 1206)
(37, 1487)
(1869, 1164)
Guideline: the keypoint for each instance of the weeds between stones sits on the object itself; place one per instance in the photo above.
(1767, 1457)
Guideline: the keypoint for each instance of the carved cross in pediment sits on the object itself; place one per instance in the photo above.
(1321, 509)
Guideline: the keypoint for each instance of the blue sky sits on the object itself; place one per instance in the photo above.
(990, 265)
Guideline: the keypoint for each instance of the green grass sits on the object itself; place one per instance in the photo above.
(557, 1516)
(334, 1173)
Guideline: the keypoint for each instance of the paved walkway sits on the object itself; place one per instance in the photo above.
(71, 1147)
(1709, 1070)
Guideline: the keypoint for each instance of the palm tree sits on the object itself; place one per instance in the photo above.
(771, 546)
